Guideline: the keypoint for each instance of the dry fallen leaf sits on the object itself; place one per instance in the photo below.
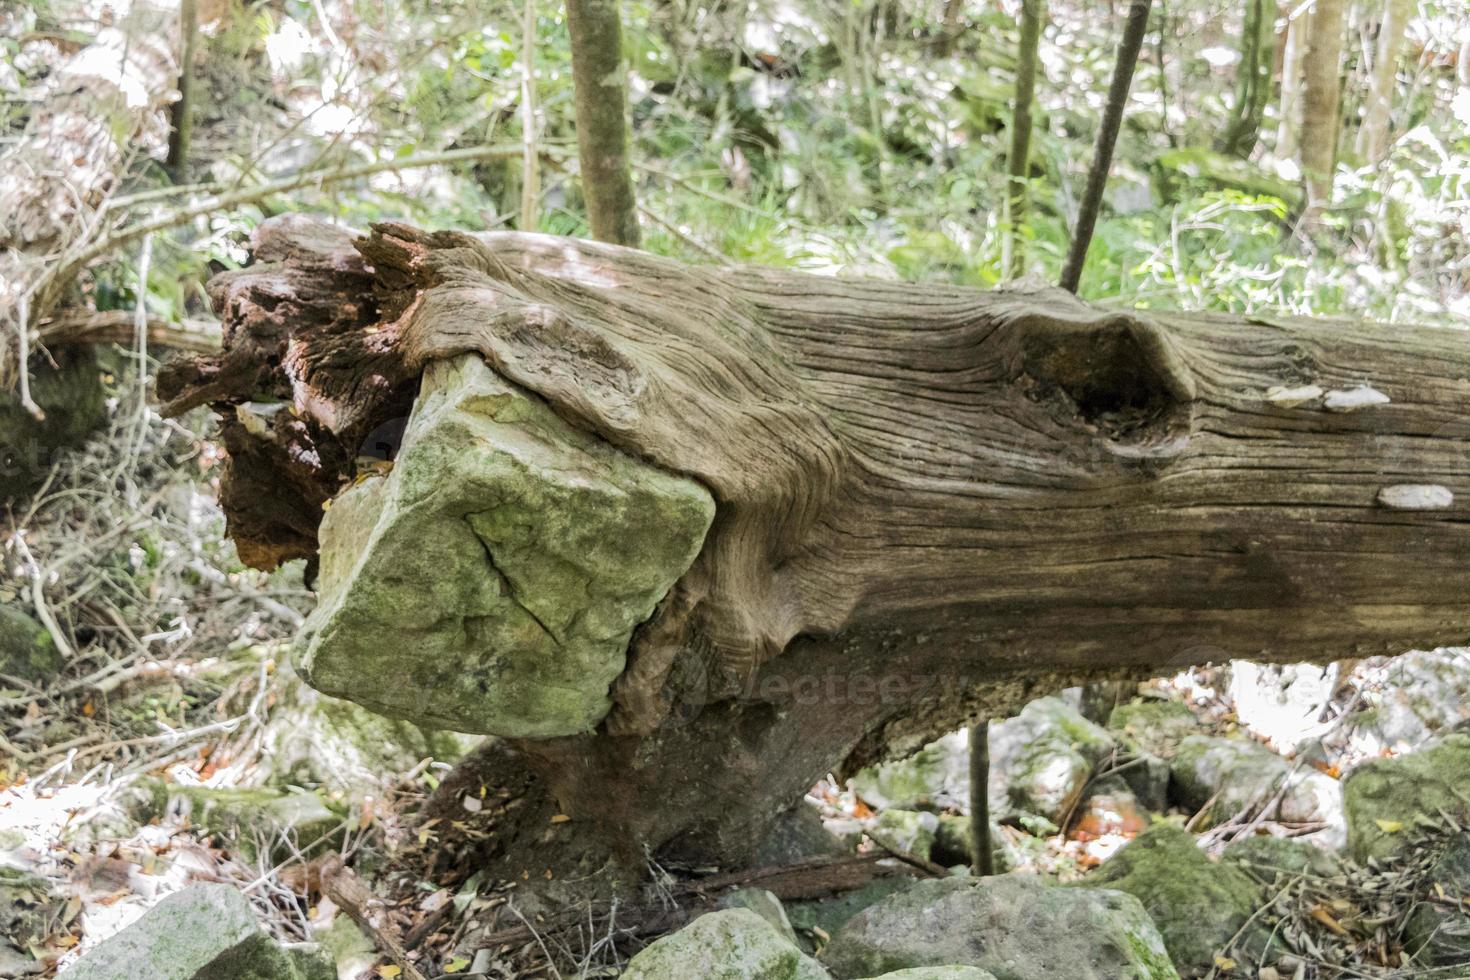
(456, 964)
(560, 818)
(1390, 826)
(389, 971)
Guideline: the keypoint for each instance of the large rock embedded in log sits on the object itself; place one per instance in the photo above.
(492, 580)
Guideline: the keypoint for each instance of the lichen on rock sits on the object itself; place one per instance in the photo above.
(491, 581)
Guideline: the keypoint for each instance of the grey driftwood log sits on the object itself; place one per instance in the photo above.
(923, 502)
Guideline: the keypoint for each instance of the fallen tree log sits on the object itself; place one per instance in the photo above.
(923, 504)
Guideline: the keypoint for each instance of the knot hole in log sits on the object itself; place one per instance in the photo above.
(1123, 375)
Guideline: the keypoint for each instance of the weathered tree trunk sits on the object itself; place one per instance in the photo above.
(1252, 78)
(600, 80)
(181, 113)
(1321, 97)
(102, 104)
(1373, 136)
(930, 502)
(1018, 161)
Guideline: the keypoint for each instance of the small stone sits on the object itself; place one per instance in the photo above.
(732, 944)
(202, 932)
(1416, 496)
(1290, 396)
(1352, 399)
(1014, 926)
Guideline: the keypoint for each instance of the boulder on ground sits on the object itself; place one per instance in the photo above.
(1041, 760)
(491, 581)
(937, 776)
(26, 649)
(246, 819)
(1230, 777)
(1268, 859)
(1384, 797)
(814, 919)
(1013, 926)
(205, 932)
(1198, 905)
(315, 740)
(764, 904)
(1153, 725)
(732, 944)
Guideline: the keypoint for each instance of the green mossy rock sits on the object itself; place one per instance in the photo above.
(952, 844)
(939, 973)
(75, 404)
(764, 904)
(1015, 927)
(733, 944)
(1268, 859)
(935, 776)
(1153, 725)
(490, 582)
(26, 649)
(1403, 790)
(1197, 904)
(832, 913)
(244, 817)
(205, 932)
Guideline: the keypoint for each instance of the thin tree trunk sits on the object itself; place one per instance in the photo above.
(951, 29)
(1373, 136)
(1252, 78)
(1321, 99)
(931, 503)
(982, 855)
(530, 159)
(1288, 125)
(181, 114)
(600, 81)
(1018, 163)
(1107, 138)
(69, 159)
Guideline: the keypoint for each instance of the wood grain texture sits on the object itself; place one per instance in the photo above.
(932, 501)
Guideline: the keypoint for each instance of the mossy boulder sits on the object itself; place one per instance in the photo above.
(936, 776)
(1013, 926)
(1270, 859)
(1198, 904)
(314, 740)
(952, 844)
(764, 904)
(68, 388)
(732, 944)
(1230, 777)
(1153, 725)
(491, 581)
(26, 648)
(205, 932)
(1384, 797)
(815, 917)
(244, 819)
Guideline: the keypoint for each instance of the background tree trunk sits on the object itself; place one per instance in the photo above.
(1321, 98)
(1252, 78)
(1373, 136)
(600, 81)
(932, 503)
(1018, 161)
(181, 114)
(1107, 137)
(70, 158)
(1294, 48)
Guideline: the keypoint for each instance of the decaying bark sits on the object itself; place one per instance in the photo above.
(105, 101)
(932, 502)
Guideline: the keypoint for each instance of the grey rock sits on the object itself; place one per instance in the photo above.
(1421, 694)
(1270, 859)
(814, 918)
(939, 973)
(205, 932)
(1234, 776)
(1014, 927)
(938, 775)
(764, 904)
(243, 817)
(1041, 759)
(1199, 905)
(491, 581)
(732, 944)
